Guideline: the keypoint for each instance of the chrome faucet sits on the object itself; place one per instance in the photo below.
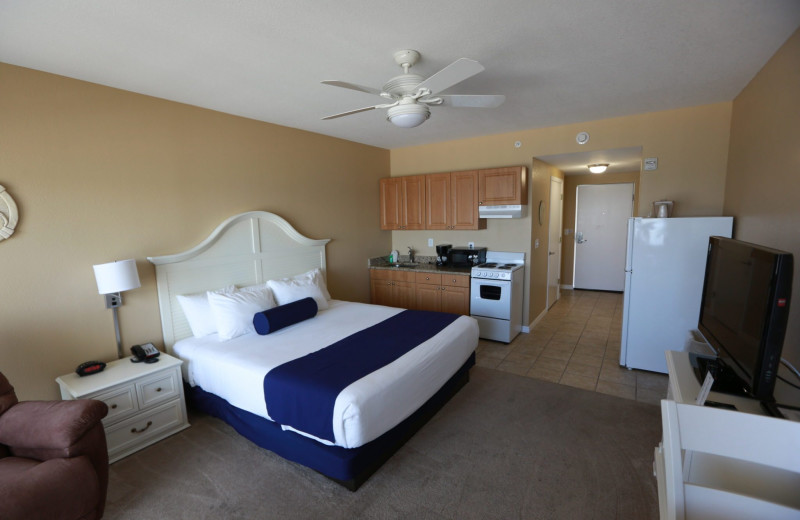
(411, 253)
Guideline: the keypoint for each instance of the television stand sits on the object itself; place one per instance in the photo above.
(725, 379)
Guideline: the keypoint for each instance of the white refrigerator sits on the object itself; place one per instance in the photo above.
(664, 271)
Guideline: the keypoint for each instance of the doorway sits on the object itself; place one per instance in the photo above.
(601, 220)
(554, 241)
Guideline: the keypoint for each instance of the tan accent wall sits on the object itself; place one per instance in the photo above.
(763, 183)
(101, 174)
(691, 145)
(571, 183)
(542, 172)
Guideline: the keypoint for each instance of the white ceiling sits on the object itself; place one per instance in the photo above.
(557, 61)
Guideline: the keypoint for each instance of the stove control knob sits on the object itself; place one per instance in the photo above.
(495, 275)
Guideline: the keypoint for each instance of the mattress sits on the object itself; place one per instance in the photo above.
(234, 370)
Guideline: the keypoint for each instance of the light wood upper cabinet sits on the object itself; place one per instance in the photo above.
(464, 201)
(449, 200)
(452, 201)
(403, 202)
(437, 199)
(503, 186)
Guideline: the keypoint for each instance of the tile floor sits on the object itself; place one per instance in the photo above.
(577, 344)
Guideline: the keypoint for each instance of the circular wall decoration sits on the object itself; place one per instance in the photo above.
(8, 214)
(582, 138)
(541, 212)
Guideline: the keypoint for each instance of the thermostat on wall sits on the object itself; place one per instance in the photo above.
(650, 163)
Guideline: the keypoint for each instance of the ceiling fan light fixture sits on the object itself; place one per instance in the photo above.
(598, 168)
(408, 115)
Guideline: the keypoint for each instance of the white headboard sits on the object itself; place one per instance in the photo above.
(246, 249)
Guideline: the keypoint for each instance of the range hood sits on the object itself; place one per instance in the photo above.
(507, 211)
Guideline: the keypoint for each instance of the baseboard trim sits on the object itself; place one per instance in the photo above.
(536, 320)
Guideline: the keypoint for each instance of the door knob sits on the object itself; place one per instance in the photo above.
(551, 253)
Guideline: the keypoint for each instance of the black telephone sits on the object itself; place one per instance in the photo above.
(147, 353)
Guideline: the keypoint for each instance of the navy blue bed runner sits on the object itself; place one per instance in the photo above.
(302, 392)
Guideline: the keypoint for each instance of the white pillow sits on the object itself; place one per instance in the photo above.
(233, 312)
(308, 284)
(198, 311)
(315, 276)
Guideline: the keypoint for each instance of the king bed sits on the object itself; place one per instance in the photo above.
(335, 386)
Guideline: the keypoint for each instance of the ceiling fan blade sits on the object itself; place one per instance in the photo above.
(356, 111)
(471, 101)
(456, 72)
(353, 86)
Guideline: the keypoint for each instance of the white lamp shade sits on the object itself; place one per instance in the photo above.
(408, 115)
(598, 168)
(115, 277)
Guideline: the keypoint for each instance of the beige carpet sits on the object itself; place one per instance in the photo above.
(505, 447)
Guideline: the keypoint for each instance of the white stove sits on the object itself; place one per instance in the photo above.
(496, 295)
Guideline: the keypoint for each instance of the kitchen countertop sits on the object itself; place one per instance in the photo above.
(426, 264)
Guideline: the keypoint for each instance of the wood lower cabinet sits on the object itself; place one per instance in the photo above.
(452, 201)
(392, 288)
(503, 186)
(443, 292)
(403, 202)
(422, 291)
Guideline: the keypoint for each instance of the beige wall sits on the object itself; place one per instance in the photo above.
(571, 184)
(542, 173)
(101, 174)
(691, 145)
(763, 185)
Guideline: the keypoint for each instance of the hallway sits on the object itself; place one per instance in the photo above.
(577, 344)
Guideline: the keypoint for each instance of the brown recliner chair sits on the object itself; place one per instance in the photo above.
(53, 458)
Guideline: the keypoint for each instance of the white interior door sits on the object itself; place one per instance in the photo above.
(554, 241)
(601, 224)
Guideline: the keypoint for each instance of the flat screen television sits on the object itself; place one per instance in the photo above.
(744, 312)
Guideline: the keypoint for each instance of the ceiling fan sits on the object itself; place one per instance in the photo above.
(410, 94)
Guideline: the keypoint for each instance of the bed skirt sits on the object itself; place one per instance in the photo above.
(348, 467)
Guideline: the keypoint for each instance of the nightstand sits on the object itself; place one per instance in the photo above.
(145, 401)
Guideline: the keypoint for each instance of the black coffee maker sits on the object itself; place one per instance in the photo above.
(441, 253)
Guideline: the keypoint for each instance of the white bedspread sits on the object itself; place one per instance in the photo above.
(235, 369)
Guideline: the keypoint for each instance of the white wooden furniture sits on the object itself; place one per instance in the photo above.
(716, 463)
(145, 401)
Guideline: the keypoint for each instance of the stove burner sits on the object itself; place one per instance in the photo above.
(489, 264)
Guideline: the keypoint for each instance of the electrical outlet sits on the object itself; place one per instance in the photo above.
(430, 242)
(536, 244)
(471, 245)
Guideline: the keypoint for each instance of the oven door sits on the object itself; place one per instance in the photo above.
(490, 298)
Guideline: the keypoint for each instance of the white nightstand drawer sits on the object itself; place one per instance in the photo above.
(146, 428)
(157, 389)
(121, 403)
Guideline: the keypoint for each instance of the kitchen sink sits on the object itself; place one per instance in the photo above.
(407, 265)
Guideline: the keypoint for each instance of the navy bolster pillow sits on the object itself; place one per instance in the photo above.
(282, 316)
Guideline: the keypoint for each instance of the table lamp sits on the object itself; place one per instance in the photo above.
(113, 278)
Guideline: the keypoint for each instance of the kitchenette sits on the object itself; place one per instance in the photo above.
(487, 285)
(471, 280)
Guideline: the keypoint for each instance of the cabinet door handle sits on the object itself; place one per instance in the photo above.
(158, 389)
(149, 424)
(114, 406)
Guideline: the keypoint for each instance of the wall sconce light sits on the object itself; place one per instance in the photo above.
(113, 278)
(598, 168)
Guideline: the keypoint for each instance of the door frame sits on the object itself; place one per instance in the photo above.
(556, 211)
